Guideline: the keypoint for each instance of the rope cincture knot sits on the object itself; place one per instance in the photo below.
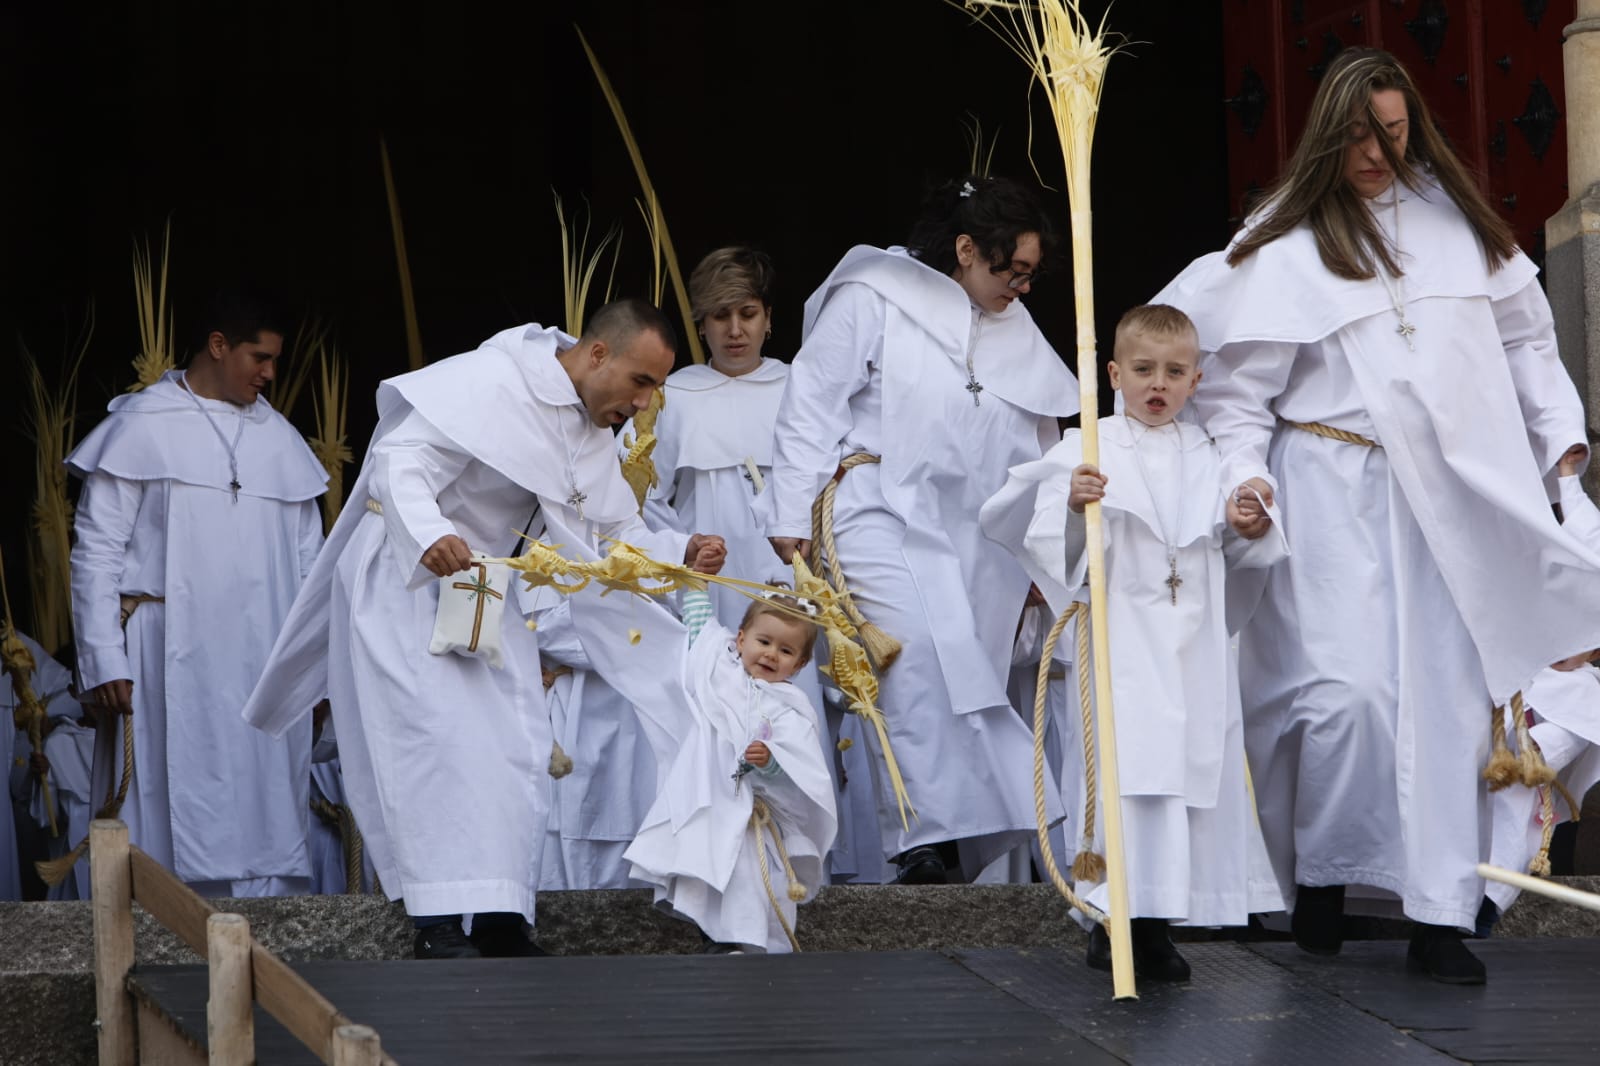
(882, 648)
(762, 822)
(1527, 768)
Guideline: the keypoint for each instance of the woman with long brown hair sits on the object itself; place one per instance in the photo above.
(1382, 359)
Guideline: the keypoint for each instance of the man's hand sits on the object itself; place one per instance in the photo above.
(758, 755)
(787, 546)
(113, 696)
(39, 764)
(705, 553)
(449, 555)
(1572, 459)
(1088, 486)
(1247, 514)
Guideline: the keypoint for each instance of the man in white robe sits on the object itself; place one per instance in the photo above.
(1410, 418)
(446, 757)
(899, 361)
(196, 524)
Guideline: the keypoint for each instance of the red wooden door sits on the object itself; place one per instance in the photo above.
(1489, 69)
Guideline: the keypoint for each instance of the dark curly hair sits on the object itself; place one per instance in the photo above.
(994, 215)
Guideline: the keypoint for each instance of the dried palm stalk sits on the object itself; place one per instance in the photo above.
(653, 227)
(308, 346)
(682, 290)
(980, 152)
(330, 403)
(51, 418)
(1068, 58)
(157, 342)
(578, 265)
(408, 301)
(638, 468)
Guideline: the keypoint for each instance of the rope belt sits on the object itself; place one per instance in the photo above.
(761, 821)
(55, 871)
(883, 648)
(560, 762)
(374, 506)
(339, 816)
(1332, 433)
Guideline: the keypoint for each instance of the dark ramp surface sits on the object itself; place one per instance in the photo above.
(912, 1008)
(1541, 1005)
(1239, 1008)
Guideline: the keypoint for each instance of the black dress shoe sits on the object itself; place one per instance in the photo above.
(921, 866)
(504, 939)
(1437, 951)
(1318, 921)
(444, 941)
(1099, 954)
(1154, 956)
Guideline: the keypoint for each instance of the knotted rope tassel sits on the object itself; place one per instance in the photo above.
(55, 871)
(1087, 866)
(560, 762)
(761, 821)
(883, 648)
(343, 819)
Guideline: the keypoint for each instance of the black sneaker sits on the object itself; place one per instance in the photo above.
(1318, 920)
(1437, 951)
(921, 866)
(444, 941)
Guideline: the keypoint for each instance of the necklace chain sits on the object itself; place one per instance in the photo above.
(1397, 289)
(1169, 541)
(578, 497)
(233, 449)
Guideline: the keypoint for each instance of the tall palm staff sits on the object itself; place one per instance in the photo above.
(1068, 58)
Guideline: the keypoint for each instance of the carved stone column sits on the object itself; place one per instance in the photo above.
(1572, 258)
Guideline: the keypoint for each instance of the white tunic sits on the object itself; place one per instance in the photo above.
(444, 757)
(1429, 577)
(700, 710)
(211, 799)
(883, 369)
(1193, 849)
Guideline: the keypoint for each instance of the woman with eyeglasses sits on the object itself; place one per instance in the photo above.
(920, 381)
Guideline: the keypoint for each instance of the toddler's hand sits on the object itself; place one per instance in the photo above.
(757, 755)
(1572, 460)
(1088, 486)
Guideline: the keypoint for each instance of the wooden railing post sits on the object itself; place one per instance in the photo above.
(356, 1045)
(112, 882)
(230, 1012)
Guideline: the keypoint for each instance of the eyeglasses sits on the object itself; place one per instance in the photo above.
(1018, 278)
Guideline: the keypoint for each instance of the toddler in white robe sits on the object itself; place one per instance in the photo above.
(1194, 853)
(737, 835)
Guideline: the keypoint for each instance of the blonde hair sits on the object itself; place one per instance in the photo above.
(729, 276)
(787, 608)
(1159, 320)
(1313, 188)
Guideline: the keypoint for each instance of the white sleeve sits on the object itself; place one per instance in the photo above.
(1549, 400)
(310, 534)
(558, 638)
(833, 364)
(1056, 536)
(108, 510)
(1579, 515)
(1235, 404)
(410, 467)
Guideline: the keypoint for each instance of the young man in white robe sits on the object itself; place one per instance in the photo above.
(926, 361)
(196, 525)
(445, 756)
(1379, 350)
(1193, 850)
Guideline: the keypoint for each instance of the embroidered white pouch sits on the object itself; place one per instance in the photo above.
(470, 604)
